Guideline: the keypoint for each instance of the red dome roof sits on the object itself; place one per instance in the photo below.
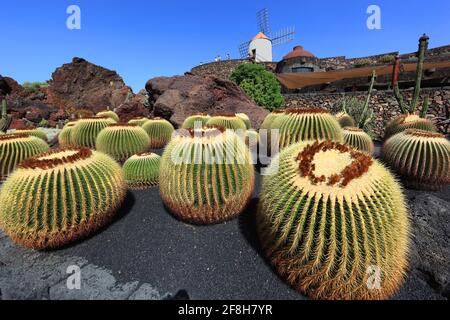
(298, 51)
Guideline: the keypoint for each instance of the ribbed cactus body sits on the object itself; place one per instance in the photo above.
(85, 131)
(56, 198)
(306, 124)
(251, 138)
(5, 118)
(407, 121)
(15, 148)
(142, 170)
(245, 118)
(329, 218)
(206, 176)
(358, 139)
(344, 119)
(421, 158)
(228, 121)
(110, 114)
(139, 121)
(121, 141)
(200, 118)
(65, 136)
(34, 132)
(270, 118)
(160, 132)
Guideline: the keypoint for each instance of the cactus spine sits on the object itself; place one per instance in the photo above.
(6, 119)
(139, 121)
(245, 118)
(206, 176)
(201, 118)
(58, 197)
(420, 157)
(228, 121)
(358, 139)
(306, 124)
(121, 141)
(86, 130)
(160, 132)
(15, 148)
(109, 114)
(142, 170)
(327, 216)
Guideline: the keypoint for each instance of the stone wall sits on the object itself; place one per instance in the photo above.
(223, 69)
(384, 104)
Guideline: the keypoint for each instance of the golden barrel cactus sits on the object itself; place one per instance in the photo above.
(344, 119)
(55, 198)
(110, 114)
(33, 132)
(86, 130)
(17, 147)
(139, 121)
(160, 132)
(333, 222)
(407, 121)
(142, 170)
(358, 139)
(421, 158)
(244, 118)
(65, 136)
(228, 121)
(200, 118)
(270, 118)
(206, 175)
(121, 141)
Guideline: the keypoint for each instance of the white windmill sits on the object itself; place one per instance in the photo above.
(260, 47)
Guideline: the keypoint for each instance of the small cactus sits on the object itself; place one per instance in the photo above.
(306, 124)
(190, 121)
(407, 121)
(121, 141)
(17, 147)
(245, 118)
(142, 170)
(86, 130)
(421, 158)
(329, 217)
(160, 132)
(344, 119)
(270, 118)
(5, 118)
(139, 121)
(206, 175)
(110, 114)
(358, 139)
(34, 132)
(56, 198)
(228, 121)
(65, 136)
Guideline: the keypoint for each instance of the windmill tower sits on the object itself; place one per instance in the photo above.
(260, 47)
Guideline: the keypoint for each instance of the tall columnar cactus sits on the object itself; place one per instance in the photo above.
(121, 141)
(160, 132)
(206, 176)
(17, 147)
(65, 136)
(142, 170)
(418, 121)
(407, 121)
(421, 158)
(5, 119)
(358, 139)
(332, 219)
(306, 124)
(34, 132)
(228, 121)
(245, 118)
(109, 114)
(200, 118)
(58, 197)
(139, 121)
(86, 130)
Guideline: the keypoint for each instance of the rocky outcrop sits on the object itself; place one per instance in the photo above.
(83, 85)
(175, 98)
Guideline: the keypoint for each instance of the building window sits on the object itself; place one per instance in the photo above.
(302, 69)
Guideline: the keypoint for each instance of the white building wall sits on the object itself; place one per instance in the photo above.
(263, 49)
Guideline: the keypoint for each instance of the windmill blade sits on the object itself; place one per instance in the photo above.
(283, 36)
(262, 21)
(243, 49)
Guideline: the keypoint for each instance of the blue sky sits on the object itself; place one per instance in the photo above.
(143, 39)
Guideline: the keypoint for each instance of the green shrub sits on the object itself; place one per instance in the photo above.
(362, 62)
(31, 87)
(262, 86)
(387, 58)
(354, 107)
